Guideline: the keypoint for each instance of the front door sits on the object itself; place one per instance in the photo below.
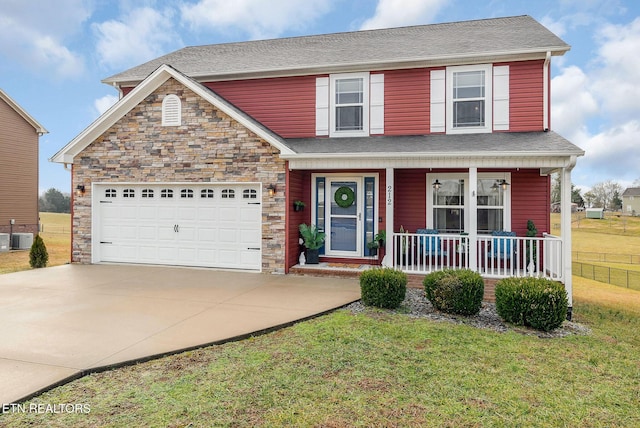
(344, 215)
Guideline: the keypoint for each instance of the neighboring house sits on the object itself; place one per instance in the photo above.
(631, 200)
(440, 126)
(19, 138)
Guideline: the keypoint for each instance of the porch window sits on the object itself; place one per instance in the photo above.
(490, 206)
(448, 210)
(448, 206)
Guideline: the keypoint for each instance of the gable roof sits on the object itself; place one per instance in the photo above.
(22, 112)
(631, 191)
(487, 40)
(137, 95)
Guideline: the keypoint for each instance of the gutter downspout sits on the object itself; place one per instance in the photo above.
(545, 92)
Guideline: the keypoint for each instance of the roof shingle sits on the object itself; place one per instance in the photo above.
(421, 45)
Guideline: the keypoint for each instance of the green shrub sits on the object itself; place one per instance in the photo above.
(383, 287)
(38, 255)
(455, 291)
(534, 302)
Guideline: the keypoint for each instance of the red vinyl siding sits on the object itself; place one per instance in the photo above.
(285, 105)
(410, 206)
(525, 96)
(530, 200)
(406, 102)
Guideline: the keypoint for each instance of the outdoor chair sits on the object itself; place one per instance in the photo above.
(430, 245)
(501, 244)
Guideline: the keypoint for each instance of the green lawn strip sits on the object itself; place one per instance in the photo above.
(374, 370)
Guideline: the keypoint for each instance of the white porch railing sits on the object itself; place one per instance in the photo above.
(495, 256)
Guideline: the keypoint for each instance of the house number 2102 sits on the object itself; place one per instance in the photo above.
(389, 195)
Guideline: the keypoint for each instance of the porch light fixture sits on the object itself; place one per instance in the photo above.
(503, 183)
(272, 189)
(436, 184)
(80, 190)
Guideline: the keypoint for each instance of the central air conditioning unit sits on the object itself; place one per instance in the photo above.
(4, 242)
(21, 241)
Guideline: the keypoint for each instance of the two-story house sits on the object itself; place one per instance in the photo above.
(440, 131)
(19, 138)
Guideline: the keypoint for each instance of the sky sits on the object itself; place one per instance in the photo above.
(54, 54)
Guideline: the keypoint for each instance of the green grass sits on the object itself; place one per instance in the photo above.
(57, 238)
(381, 369)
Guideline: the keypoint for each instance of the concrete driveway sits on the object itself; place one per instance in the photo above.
(58, 323)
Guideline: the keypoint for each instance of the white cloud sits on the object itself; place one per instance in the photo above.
(608, 93)
(612, 155)
(260, 19)
(572, 103)
(398, 13)
(141, 35)
(619, 70)
(33, 34)
(103, 104)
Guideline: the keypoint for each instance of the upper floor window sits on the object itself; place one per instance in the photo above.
(171, 111)
(469, 99)
(349, 95)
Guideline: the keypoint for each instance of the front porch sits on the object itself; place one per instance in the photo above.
(491, 256)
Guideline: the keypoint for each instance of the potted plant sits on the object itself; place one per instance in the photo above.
(402, 253)
(378, 242)
(373, 247)
(298, 206)
(313, 240)
(531, 247)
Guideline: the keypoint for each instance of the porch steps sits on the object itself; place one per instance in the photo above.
(353, 271)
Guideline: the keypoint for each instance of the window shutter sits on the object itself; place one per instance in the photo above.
(438, 106)
(501, 98)
(376, 109)
(171, 111)
(322, 106)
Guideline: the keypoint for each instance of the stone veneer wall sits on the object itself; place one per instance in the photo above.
(208, 147)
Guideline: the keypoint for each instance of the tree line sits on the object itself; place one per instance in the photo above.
(54, 201)
(606, 194)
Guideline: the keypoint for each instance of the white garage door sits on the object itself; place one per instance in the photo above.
(208, 225)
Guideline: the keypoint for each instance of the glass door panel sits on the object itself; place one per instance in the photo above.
(345, 213)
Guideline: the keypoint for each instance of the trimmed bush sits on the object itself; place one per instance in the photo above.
(383, 287)
(38, 255)
(455, 291)
(534, 302)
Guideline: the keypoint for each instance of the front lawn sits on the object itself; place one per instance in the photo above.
(381, 369)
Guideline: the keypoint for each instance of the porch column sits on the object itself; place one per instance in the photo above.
(473, 219)
(565, 230)
(389, 190)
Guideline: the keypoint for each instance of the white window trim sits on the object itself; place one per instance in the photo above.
(365, 105)
(361, 201)
(468, 216)
(488, 95)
